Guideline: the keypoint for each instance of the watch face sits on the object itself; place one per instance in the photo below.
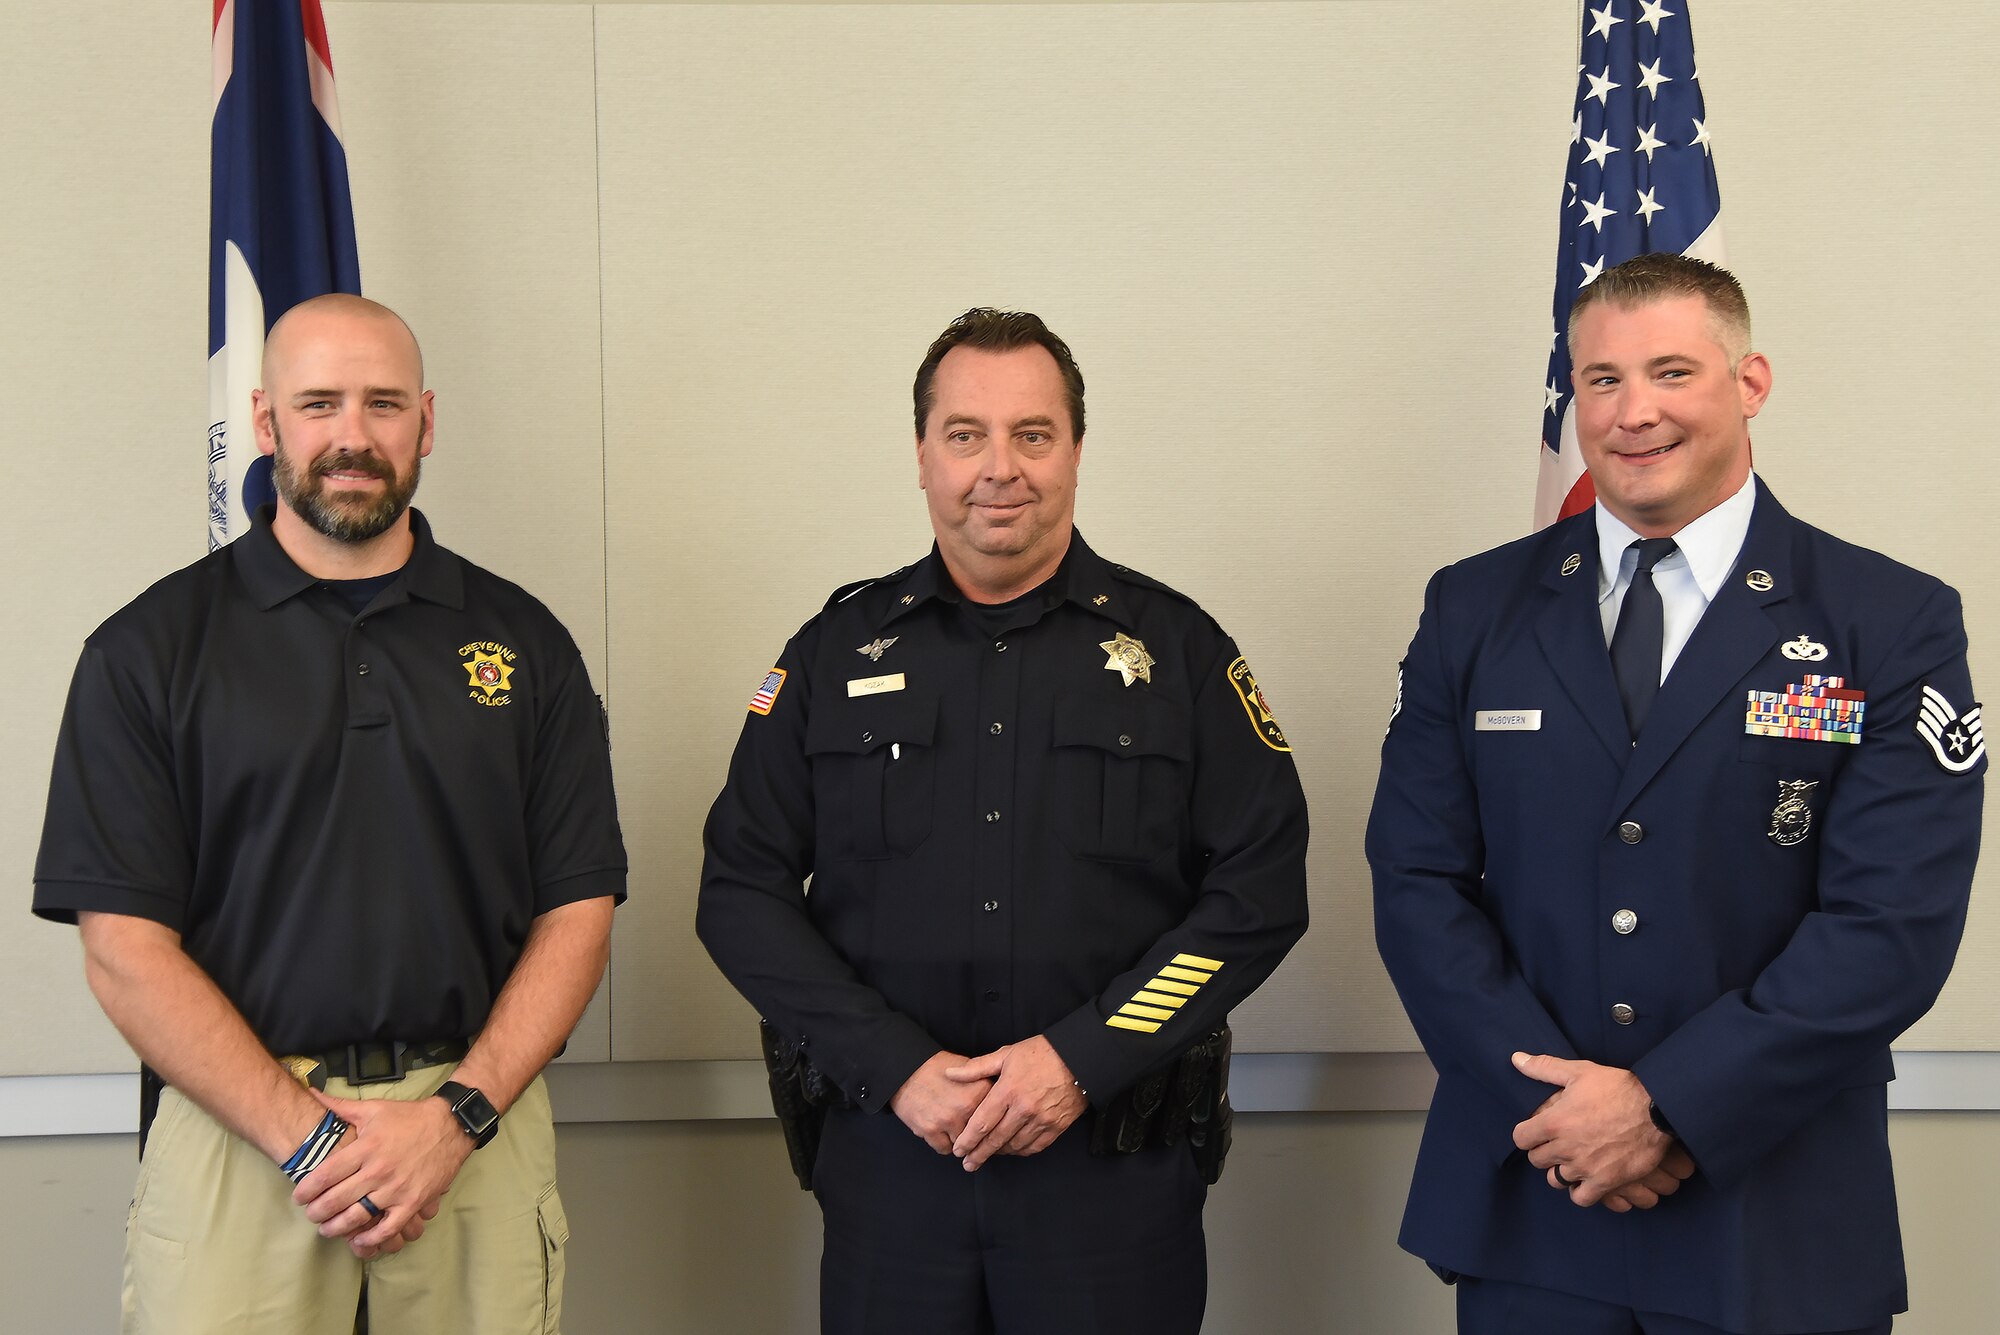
(474, 1111)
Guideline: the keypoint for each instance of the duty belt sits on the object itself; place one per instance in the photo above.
(378, 1063)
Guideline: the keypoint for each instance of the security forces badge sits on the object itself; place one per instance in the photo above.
(1791, 819)
(489, 670)
(1256, 706)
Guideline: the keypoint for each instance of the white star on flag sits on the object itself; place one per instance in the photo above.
(1652, 13)
(1595, 214)
(1649, 141)
(1650, 77)
(1599, 149)
(1601, 86)
(1601, 21)
(1648, 206)
(1700, 139)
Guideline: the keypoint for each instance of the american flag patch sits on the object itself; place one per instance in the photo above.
(1813, 709)
(767, 694)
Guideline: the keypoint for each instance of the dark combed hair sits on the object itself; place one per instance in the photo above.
(999, 331)
(1662, 276)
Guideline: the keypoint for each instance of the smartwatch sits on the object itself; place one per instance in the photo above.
(472, 1109)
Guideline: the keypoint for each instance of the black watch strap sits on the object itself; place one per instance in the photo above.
(474, 1111)
(1660, 1120)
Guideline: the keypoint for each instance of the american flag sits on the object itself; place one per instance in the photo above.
(767, 694)
(1641, 178)
(281, 223)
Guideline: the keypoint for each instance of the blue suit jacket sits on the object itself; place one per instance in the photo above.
(1767, 980)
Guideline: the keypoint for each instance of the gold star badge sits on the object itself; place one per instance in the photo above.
(488, 673)
(1128, 658)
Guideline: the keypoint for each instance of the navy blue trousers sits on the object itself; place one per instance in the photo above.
(1491, 1307)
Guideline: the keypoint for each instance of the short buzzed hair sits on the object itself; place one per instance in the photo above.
(353, 304)
(1662, 276)
(999, 331)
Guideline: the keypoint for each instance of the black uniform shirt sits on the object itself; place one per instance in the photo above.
(1004, 836)
(352, 819)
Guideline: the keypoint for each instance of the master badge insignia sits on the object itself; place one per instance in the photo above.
(1128, 658)
(1956, 741)
(1256, 706)
(489, 670)
(873, 652)
(1803, 650)
(1791, 819)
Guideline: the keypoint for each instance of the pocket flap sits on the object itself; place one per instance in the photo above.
(868, 723)
(1139, 727)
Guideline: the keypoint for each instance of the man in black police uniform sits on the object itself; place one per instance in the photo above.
(335, 804)
(1677, 820)
(1053, 834)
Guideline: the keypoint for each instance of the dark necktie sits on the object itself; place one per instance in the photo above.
(1639, 641)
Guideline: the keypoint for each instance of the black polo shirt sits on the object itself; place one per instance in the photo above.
(1007, 833)
(351, 818)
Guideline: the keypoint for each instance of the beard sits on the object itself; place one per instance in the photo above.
(342, 517)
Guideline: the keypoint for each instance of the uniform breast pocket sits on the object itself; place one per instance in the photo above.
(873, 763)
(1121, 778)
(1797, 757)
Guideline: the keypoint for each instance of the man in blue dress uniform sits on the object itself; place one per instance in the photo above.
(1676, 824)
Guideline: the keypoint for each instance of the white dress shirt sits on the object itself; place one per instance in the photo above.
(1704, 553)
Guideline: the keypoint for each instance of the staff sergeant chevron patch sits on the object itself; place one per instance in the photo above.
(1956, 740)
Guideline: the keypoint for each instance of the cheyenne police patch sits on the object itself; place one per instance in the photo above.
(1254, 704)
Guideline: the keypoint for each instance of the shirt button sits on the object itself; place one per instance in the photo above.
(867, 736)
(1123, 740)
(1631, 831)
(1624, 922)
(992, 816)
(361, 671)
(861, 1093)
(1000, 646)
(1623, 1014)
(996, 729)
(991, 906)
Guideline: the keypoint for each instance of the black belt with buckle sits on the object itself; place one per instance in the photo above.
(377, 1063)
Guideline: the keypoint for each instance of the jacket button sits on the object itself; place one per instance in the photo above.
(1623, 1014)
(1624, 922)
(1631, 831)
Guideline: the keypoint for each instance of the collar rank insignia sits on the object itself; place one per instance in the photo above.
(1791, 819)
(489, 670)
(1812, 709)
(1957, 741)
(873, 652)
(1128, 658)
(1259, 709)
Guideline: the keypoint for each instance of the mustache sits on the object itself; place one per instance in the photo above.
(347, 461)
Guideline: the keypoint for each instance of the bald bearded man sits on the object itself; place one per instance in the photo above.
(332, 808)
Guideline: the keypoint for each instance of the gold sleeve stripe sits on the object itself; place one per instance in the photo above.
(1185, 975)
(1159, 999)
(1165, 985)
(1124, 1022)
(1198, 962)
(1149, 1012)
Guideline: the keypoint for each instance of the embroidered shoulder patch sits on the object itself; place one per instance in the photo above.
(767, 694)
(1957, 741)
(1256, 706)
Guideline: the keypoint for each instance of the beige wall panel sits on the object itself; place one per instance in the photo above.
(471, 142)
(103, 447)
(1854, 151)
(694, 1228)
